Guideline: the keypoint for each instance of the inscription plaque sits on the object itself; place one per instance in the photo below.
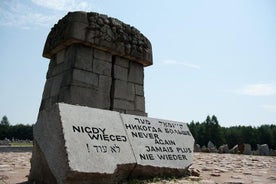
(159, 143)
(100, 146)
(95, 139)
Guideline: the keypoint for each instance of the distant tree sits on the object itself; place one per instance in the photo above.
(216, 132)
(210, 130)
(265, 135)
(4, 128)
(273, 130)
(5, 121)
(21, 132)
(202, 140)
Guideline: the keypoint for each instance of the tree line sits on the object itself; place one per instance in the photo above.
(210, 130)
(17, 132)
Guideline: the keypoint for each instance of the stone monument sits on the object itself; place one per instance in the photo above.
(96, 61)
(92, 125)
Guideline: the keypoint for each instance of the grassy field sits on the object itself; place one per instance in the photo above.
(23, 144)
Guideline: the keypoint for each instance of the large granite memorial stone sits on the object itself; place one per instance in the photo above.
(96, 68)
(86, 145)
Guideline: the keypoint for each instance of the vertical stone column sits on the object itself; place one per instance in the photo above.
(96, 61)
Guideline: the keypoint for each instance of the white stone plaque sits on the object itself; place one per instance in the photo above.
(159, 143)
(98, 146)
(95, 139)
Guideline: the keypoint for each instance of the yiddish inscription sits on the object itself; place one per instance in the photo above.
(160, 143)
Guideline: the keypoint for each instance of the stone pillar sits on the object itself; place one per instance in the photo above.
(96, 61)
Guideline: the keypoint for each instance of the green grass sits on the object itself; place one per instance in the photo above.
(23, 144)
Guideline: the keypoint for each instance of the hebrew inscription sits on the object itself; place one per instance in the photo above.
(160, 143)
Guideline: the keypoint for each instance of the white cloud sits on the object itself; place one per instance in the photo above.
(261, 89)
(63, 5)
(269, 107)
(185, 64)
(45, 13)
(17, 14)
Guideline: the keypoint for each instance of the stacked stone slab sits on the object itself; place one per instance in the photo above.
(96, 61)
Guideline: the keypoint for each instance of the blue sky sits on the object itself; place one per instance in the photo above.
(210, 57)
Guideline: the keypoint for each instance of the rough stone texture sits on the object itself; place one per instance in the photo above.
(263, 149)
(66, 148)
(75, 143)
(197, 148)
(96, 61)
(161, 147)
(5, 142)
(99, 31)
(234, 150)
(247, 149)
(223, 148)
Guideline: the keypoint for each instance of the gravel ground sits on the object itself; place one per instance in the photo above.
(213, 168)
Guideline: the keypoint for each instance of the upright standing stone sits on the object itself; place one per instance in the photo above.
(263, 149)
(96, 61)
(96, 68)
(247, 149)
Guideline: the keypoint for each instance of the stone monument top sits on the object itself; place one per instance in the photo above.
(96, 61)
(101, 32)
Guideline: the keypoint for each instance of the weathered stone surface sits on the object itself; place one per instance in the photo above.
(84, 78)
(211, 147)
(124, 90)
(123, 104)
(121, 62)
(60, 57)
(234, 149)
(247, 149)
(102, 55)
(223, 148)
(84, 58)
(136, 73)
(263, 149)
(197, 148)
(140, 103)
(101, 32)
(139, 90)
(5, 142)
(105, 83)
(102, 67)
(77, 143)
(56, 85)
(120, 72)
(96, 61)
(161, 147)
(78, 95)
